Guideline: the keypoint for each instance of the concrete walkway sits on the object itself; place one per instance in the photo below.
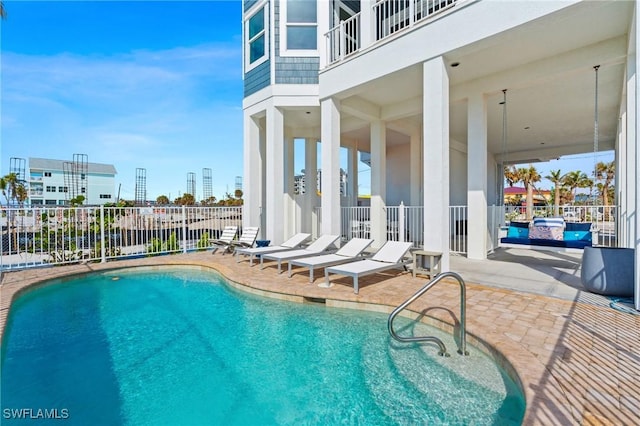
(531, 271)
(577, 360)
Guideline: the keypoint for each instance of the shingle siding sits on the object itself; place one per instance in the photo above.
(293, 70)
(258, 78)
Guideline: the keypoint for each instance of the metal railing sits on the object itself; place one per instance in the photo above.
(392, 16)
(344, 39)
(389, 17)
(52, 236)
(406, 223)
(602, 218)
(462, 345)
(458, 229)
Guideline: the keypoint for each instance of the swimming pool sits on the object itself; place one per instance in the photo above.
(178, 346)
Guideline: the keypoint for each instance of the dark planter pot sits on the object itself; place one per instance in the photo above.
(608, 270)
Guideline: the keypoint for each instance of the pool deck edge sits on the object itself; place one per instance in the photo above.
(551, 344)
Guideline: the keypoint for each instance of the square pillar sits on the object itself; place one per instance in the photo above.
(435, 112)
(415, 168)
(275, 176)
(632, 153)
(367, 32)
(330, 155)
(352, 175)
(290, 218)
(477, 177)
(253, 182)
(309, 217)
(378, 183)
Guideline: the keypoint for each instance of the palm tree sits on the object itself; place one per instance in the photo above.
(511, 175)
(529, 177)
(21, 194)
(555, 176)
(573, 180)
(9, 185)
(605, 172)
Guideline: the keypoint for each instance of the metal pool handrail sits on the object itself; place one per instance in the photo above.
(462, 348)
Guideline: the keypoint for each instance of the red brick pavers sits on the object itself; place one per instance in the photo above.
(578, 363)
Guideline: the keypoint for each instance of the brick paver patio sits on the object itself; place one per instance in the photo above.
(578, 362)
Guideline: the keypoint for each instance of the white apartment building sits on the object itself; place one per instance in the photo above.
(53, 183)
(421, 85)
(300, 183)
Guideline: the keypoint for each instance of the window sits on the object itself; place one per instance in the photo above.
(47, 174)
(82, 176)
(256, 38)
(299, 27)
(83, 190)
(107, 196)
(51, 189)
(63, 189)
(50, 202)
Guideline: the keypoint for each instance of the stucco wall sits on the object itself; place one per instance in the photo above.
(398, 188)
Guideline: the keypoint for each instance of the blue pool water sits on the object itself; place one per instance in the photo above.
(180, 347)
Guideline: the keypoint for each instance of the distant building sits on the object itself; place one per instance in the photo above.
(299, 183)
(52, 182)
(517, 195)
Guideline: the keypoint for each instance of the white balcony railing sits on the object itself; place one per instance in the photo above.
(344, 39)
(392, 16)
(388, 17)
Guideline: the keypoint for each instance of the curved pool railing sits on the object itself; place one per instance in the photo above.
(462, 347)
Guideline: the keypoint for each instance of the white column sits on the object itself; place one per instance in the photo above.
(435, 113)
(275, 176)
(290, 218)
(415, 168)
(477, 177)
(367, 32)
(311, 175)
(252, 172)
(330, 154)
(633, 152)
(378, 183)
(324, 9)
(352, 175)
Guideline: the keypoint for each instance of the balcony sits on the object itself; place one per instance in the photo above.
(386, 18)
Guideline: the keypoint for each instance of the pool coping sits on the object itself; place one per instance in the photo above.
(520, 364)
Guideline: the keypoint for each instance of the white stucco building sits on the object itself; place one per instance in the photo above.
(418, 85)
(52, 183)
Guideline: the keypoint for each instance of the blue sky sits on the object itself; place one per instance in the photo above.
(154, 85)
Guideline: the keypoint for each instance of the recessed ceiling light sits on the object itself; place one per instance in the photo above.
(455, 64)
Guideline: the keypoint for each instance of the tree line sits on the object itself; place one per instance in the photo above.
(189, 200)
(565, 186)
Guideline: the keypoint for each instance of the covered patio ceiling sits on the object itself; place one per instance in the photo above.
(547, 67)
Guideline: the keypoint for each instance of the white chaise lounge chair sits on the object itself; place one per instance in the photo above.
(224, 242)
(347, 253)
(389, 256)
(291, 244)
(319, 246)
(247, 239)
